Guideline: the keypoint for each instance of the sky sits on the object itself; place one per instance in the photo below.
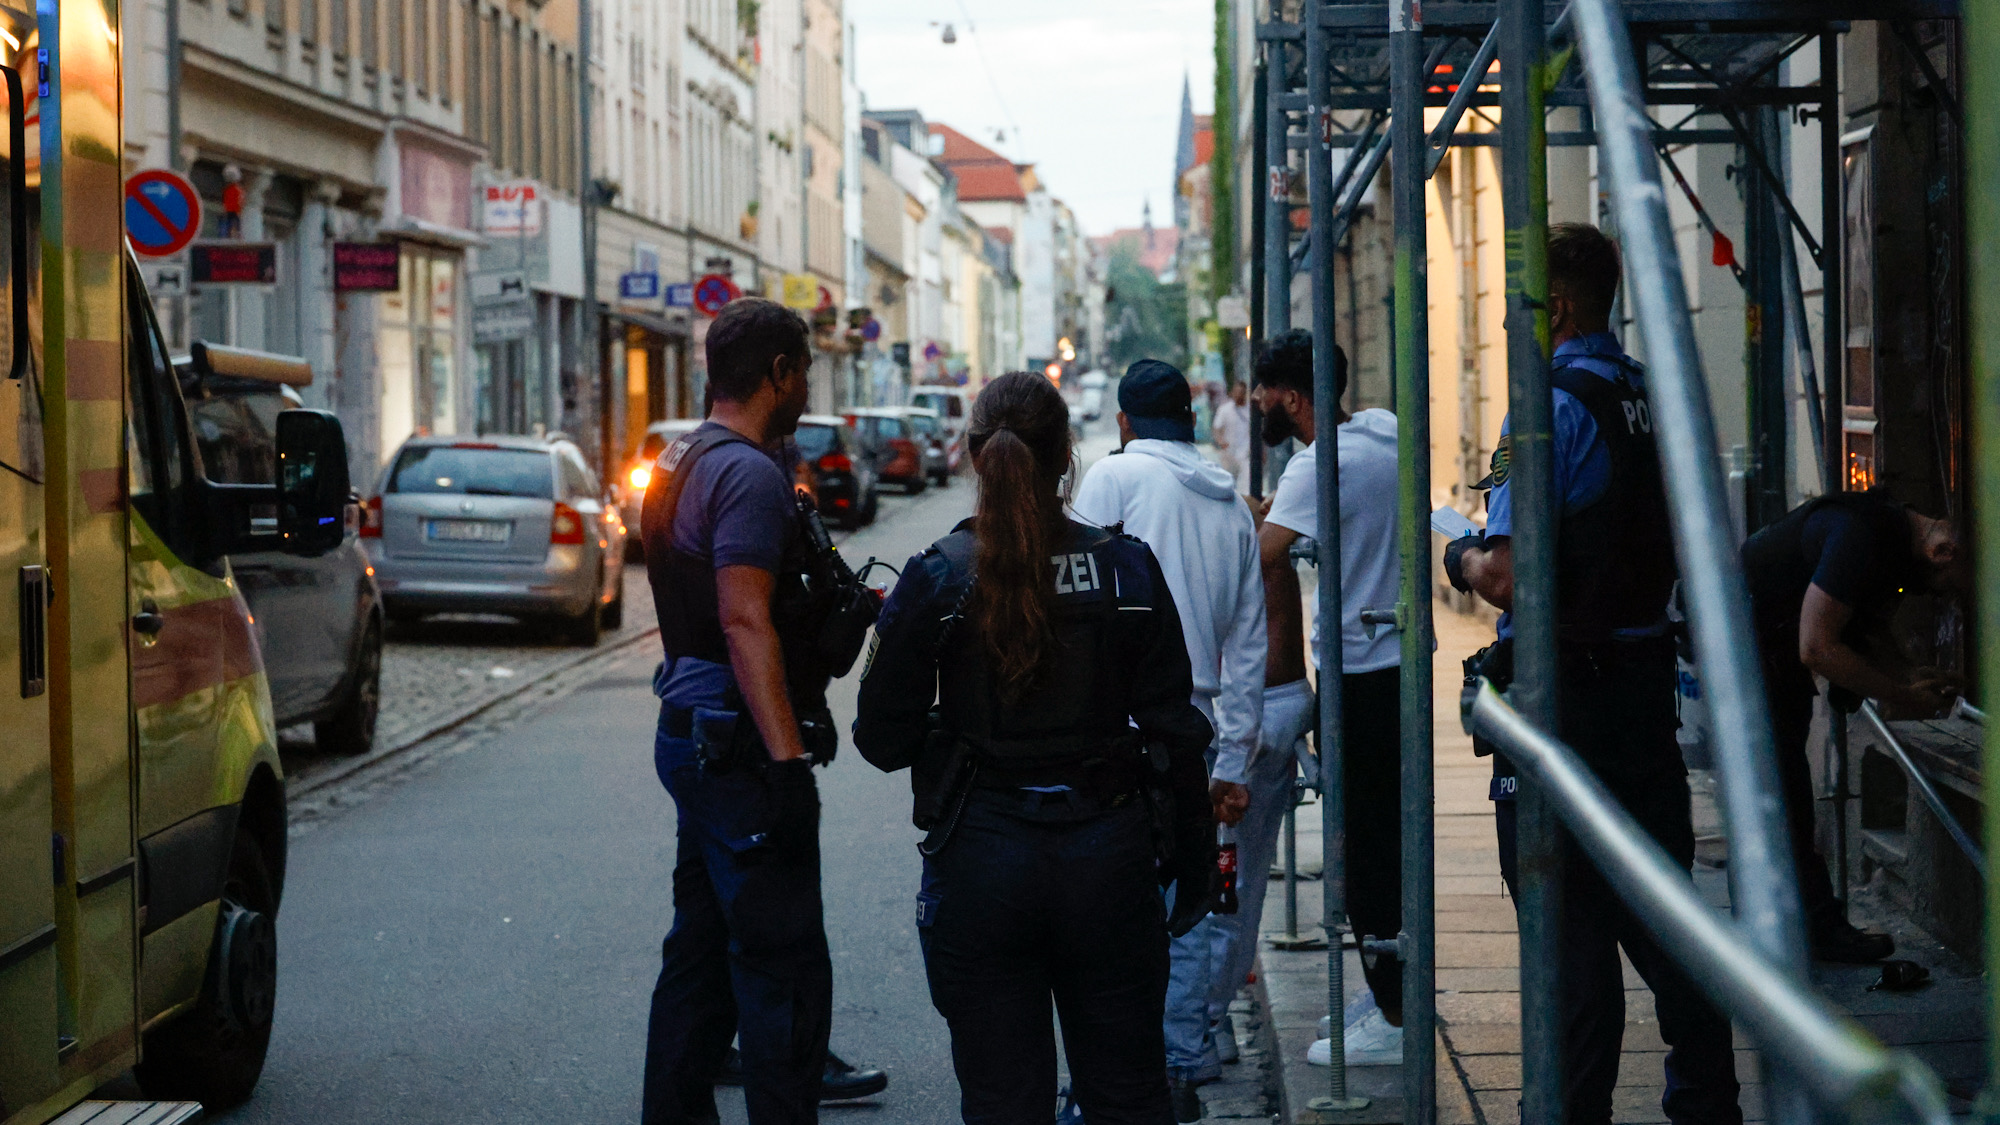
(1087, 90)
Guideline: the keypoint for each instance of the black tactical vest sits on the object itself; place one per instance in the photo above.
(1615, 559)
(683, 583)
(1077, 709)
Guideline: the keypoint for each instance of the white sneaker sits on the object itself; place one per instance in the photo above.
(1361, 1009)
(1372, 1041)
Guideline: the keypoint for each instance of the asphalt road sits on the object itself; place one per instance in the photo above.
(475, 938)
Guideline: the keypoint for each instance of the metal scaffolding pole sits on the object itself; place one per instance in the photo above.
(1531, 482)
(1326, 409)
(1408, 75)
(1765, 892)
(1833, 258)
(1277, 197)
(1981, 31)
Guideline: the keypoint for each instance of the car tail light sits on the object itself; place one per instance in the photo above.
(474, 445)
(371, 518)
(566, 525)
(640, 476)
(835, 463)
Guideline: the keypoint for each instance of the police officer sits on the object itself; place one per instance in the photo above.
(1615, 687)
(751, 600)
(1031, 672)
(1823, 581)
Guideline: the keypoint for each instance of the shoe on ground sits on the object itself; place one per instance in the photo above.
(1362, 1007)
(1371, 1041)
(1186, 1102)
(1849, 945)
(1223, 1031)
(840, 1082)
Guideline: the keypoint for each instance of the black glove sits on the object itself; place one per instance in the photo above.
(1454, 559)
(792, 805)
(819, 736)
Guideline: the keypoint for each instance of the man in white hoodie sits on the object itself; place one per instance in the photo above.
(1187, 510)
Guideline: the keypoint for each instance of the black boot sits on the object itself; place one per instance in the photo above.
(1834, 939)
(1186, 1102)
(838, 1083)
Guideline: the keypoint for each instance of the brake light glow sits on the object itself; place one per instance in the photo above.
(641, 476)
(835, 463)
(371, 518)
(566, 526)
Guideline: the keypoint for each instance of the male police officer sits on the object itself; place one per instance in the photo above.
(742, 721)
(1185, 508)
(1823, 581)
(1615, 687)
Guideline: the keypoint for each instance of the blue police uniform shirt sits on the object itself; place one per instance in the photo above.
(1583, 464)
(737, 510)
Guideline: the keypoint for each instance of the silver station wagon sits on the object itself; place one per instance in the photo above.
(509, 525)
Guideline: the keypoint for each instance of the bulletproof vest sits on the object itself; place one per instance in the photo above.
(683, 583)
(1615, 558)
(1077, 707)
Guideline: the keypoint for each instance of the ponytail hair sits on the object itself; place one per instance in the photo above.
(1020, 442)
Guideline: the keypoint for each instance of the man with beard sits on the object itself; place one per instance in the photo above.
(1371, 677)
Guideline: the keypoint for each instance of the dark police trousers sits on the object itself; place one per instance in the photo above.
(1041, 896)
(746, 957)
(1618, 712)
(1789, 689)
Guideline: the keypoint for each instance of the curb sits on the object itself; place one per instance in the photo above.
(297, 785)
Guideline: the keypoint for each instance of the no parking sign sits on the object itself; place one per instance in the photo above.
(162, 213)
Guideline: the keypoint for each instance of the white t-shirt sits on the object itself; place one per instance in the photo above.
(1371, 570)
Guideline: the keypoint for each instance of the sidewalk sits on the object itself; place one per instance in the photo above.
(1478, 961)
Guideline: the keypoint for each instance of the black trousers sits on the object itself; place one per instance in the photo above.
(747, 953)
(1791, 726)
(1372, 778)
(1041, 900)
(1618, 712)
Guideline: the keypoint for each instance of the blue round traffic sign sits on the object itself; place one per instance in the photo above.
(162, 213)
(872, 330)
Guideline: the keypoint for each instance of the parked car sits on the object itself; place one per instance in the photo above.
(498, 524)
(892, 442)
(842, 476)
(931, 442)
(632, 489)
(954, 407)
(1093, 385)
(318, 617)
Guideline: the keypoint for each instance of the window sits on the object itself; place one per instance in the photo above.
(371, 43)
(308, 22)
(274, 16)
(161, 464)
(420, 12)
(475, 76)
(473, 471)
(238, 435)
(338, 33)
(397, 40)
(576, 478)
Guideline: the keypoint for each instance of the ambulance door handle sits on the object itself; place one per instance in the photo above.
(149, 620)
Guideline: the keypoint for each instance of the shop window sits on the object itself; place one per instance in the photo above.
(1857, 385)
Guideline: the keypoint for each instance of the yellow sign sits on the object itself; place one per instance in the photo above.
(801, 291)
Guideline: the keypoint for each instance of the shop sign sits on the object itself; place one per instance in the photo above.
(233, 263)
(494, 287)
(508, 320)
(637, 286)
(801, 291)
(511, 208)
(367, 267)
(680, 295)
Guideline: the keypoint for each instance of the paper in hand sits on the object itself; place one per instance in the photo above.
(1452, 523)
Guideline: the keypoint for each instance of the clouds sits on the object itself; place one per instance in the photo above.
(1094, 86)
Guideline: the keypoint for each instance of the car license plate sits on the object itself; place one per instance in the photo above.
(468, 531)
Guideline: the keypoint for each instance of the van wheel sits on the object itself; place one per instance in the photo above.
(916, 485)
(215, 1053)
(351, 729)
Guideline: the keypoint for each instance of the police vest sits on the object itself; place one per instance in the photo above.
(684, 595)
(1615, 558)
(1076, 710)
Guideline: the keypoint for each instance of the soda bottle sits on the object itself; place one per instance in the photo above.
(1225, 866)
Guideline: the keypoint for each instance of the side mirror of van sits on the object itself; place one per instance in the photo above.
(312, 481)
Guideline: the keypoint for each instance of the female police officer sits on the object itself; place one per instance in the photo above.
(1057, 767)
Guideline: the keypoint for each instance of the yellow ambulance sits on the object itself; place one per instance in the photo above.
(142, 810)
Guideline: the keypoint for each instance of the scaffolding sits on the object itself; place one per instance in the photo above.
(1359, 78)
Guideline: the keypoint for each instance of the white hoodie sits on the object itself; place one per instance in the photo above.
(1186, 509)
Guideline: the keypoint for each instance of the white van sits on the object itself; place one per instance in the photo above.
(954, 409)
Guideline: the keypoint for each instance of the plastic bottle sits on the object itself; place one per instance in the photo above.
(1225, 866)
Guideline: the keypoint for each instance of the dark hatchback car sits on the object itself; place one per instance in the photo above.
(319, 618)
(843, 474)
